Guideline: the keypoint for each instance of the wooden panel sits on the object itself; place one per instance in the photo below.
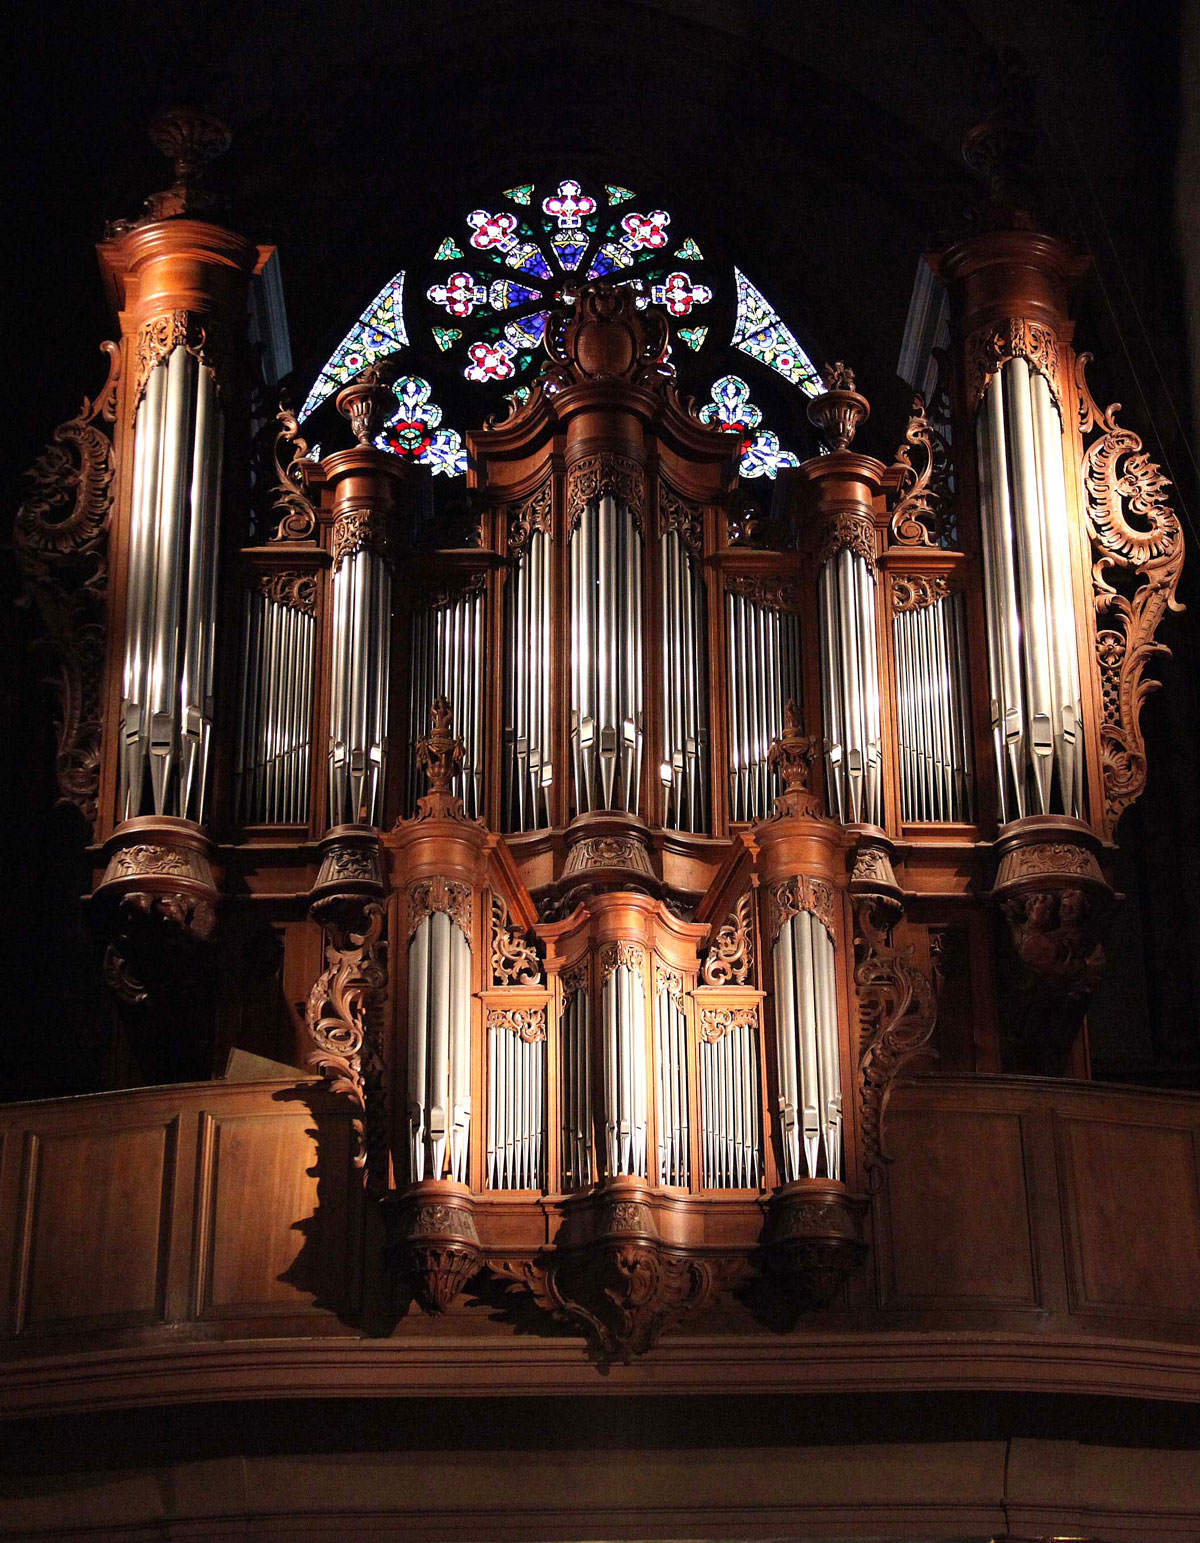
(94, 1228)
(1132, 1199)
(958, 1210)
(277, 1214)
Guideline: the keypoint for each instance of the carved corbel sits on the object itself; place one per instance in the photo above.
(811, 1243)
(897, 1006)
(433, 1243)
(1120, 480)
(624, 1286)
(61, 544)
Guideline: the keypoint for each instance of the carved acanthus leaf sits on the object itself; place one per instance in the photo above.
(438, 894)
(1119, 481)
(60, 539)
(991, 347)
(575, 978)
(514, 955)
(530, 514)
(204, 338)
(791, 896)
(918, 518)
(730, 958)
(683, 515)
(593, 476)
(630, 955)
(527, 1023)
(296, 590)
(716, 1022)
(781, 594)
(849, 530)
(916, 591)
(360, 528)
(670, 982)
(297, 519)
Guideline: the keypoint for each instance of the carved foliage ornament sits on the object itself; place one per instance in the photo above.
(358, 528)
(60, 539)
(514, 955)
(297, 591)
(341, 1016)
(917, 591)
(852, 530)
(575, 979)
(730, 958)
(918, 517)
(897, 1011)
(801, 893)
(613, 955)
(529, 515)
(158, 338)
(594, 476)
(527, 1023)
(669, 981)
(781, 594)
(716, 1022)
(990, 348)
(297, 518)
(438, 894)
(683, 515)
(1120, 481)
(440, 756)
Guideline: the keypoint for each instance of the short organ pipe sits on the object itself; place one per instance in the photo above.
(763, 674)
(809, 1064)
(933, 710)
(850, 687)
(439, 1049)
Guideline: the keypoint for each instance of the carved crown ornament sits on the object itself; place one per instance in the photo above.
(1136, 536)
(60, 539)
(190, 139)
(990, 347)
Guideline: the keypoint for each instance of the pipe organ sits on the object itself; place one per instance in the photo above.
(621, 859)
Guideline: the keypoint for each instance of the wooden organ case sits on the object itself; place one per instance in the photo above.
(610, 858)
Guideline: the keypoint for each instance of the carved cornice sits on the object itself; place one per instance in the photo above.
(681, 514)
(527, 1023)
(342, 1019)
(847, 529)
(918, 518)
(631, 955)
(1120, 480)
(990, 348)
(917, 591)
(206, 339)
(61, 543)
(730, 957)
(296, 590)
(438, 894)
(716, 1022)
(514, 954)
(528, 515)
(791, 896)
(606, 473)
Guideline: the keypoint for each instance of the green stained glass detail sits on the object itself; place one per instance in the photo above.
(692, 336)
(448, 251)
(520, 195)
(689, 252)
(617, 195)
(445, 337)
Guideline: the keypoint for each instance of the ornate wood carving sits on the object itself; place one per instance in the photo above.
(681, 514)
(593, 476)
(918, 518)
(847, 529)
(159, 336)
(367, 403)
(528, 515)
(781, 594)
(916, 591)
(990, 348)
(527, 1023)
(514, 955)
(730, 958)
(297, 518)
(792, 756)
(342, 1018)
(576, 978)
(716, 1022)
(897, 1010)
(438, 894)
(1120, 480)
(440, 756)
(613, 955)
(298, 591)
(61, 539)
(840, 411)
(811, 1242)
(358, 528)
(670, 981)
(797, 894)
(433, 1244)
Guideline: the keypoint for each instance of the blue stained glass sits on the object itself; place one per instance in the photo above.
(377, 333)
(731, 408)
(761, 333)
(762, 457)
(601, 264)
(504, 294)
(527, 259)
(569, 249)
(527, 331)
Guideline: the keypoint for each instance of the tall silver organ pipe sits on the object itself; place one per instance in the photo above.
(275, 729)
(933, 711)
(575, 1062)
(606, 657)
(731, 1146)
(170, 626)
(358, 693)
(516, 1071)
(447, 660)
(684, 769)
(439, 1049)
(850, 688)
(1033, 666)
(528, 741)
(623, 1036)
(764, 673)
(671, 1087)
(806, 1028)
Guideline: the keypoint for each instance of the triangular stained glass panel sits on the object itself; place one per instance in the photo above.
(689, 252)
(761, 333)
(520, 195)
(377, 333)
(618, 195)
(446, 337)
(692, 336)
(449, 251)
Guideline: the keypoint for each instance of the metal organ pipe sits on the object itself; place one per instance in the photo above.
(528, 742)
(439, 1049)
(806, 1028)
(576, 1094)
(623, 1034)
(516, 1101)
(447, 660)
(671, 1089)
(729, 1098)
(1033, 665)
(850, 687)
(275, 732)
(362, 609)
(606, 657)
(170, 627)
(937, 778)
(685, 688)
(764, 673)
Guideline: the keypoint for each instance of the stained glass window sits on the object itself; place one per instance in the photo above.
(479, 315)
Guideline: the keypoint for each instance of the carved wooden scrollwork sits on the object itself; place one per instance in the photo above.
(849, 530)
(297, 591)
(514, 955)
(60, 539)
(801, 893)
(438, 894)
(575, 978)
(681, 514)
(527, 1023)
(341, 1016)
(528, 515)
(897, 1011)
(1134, 532)
(730, 958)
(918, 518)
(917, 591)
(592, 476)
(716, 1022)
(161, 335)
(781, 594)
(358, 528)
(990, 348)
(297, 519)
(631, 955)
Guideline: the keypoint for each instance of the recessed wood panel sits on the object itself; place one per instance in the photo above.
(1132, 1197)
(277, 1215)
(95, 1228)
(958, 1210)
